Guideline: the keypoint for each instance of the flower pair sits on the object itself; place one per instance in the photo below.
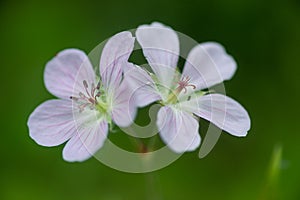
(90, 105)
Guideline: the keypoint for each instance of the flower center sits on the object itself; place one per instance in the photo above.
(182, 85)
(89, 98)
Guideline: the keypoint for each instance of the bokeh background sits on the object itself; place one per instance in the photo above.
(264, 38)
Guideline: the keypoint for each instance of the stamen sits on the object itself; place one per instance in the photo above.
(82, 106)
(86, 87)
(74, 98)
(89, 98)
(85, 84)
(93, 89)
(98, 85)
(184, 83)
(191, 85)
(92, 100)
(82, 95)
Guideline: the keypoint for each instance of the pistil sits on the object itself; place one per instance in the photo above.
(182, 85)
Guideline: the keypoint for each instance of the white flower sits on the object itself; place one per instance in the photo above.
(88, 104)
(207, 64)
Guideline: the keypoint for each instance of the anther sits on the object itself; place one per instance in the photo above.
(93, 89)
(98, 86)
(82, 95)
(74, 98)
(85, 84)
(86, 87)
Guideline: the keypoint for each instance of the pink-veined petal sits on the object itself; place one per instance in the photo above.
(124, 106)
(64, 74)
(208, 64)
(114, 58)
(86, 142)
(52, 123)
(142, 86)
(160, 46)
(222, 111)
(178, 129)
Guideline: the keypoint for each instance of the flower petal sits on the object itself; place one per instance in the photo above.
(124, 106)
(208, 64)
(114, 57)
(178, 129)
(222, 111)
(160, 46)
(64, 74)
(86, 142)
(52, 123)
(142, 86)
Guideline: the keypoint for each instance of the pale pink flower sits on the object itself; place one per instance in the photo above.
(180, 95)
(88, 104)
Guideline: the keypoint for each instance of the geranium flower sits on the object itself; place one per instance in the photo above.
(88, 104)
(180, 95)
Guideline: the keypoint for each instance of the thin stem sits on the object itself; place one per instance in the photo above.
(153, 191)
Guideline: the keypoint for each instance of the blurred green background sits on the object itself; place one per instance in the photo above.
(264, 38)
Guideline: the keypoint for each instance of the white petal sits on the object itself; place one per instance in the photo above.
(52, 123)
(178, 129)
(160, 46)
(64, 74)
(222, 111)
(124, 106)
(86, 142)
(208, 64)
(142, 86)
(114, 58)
